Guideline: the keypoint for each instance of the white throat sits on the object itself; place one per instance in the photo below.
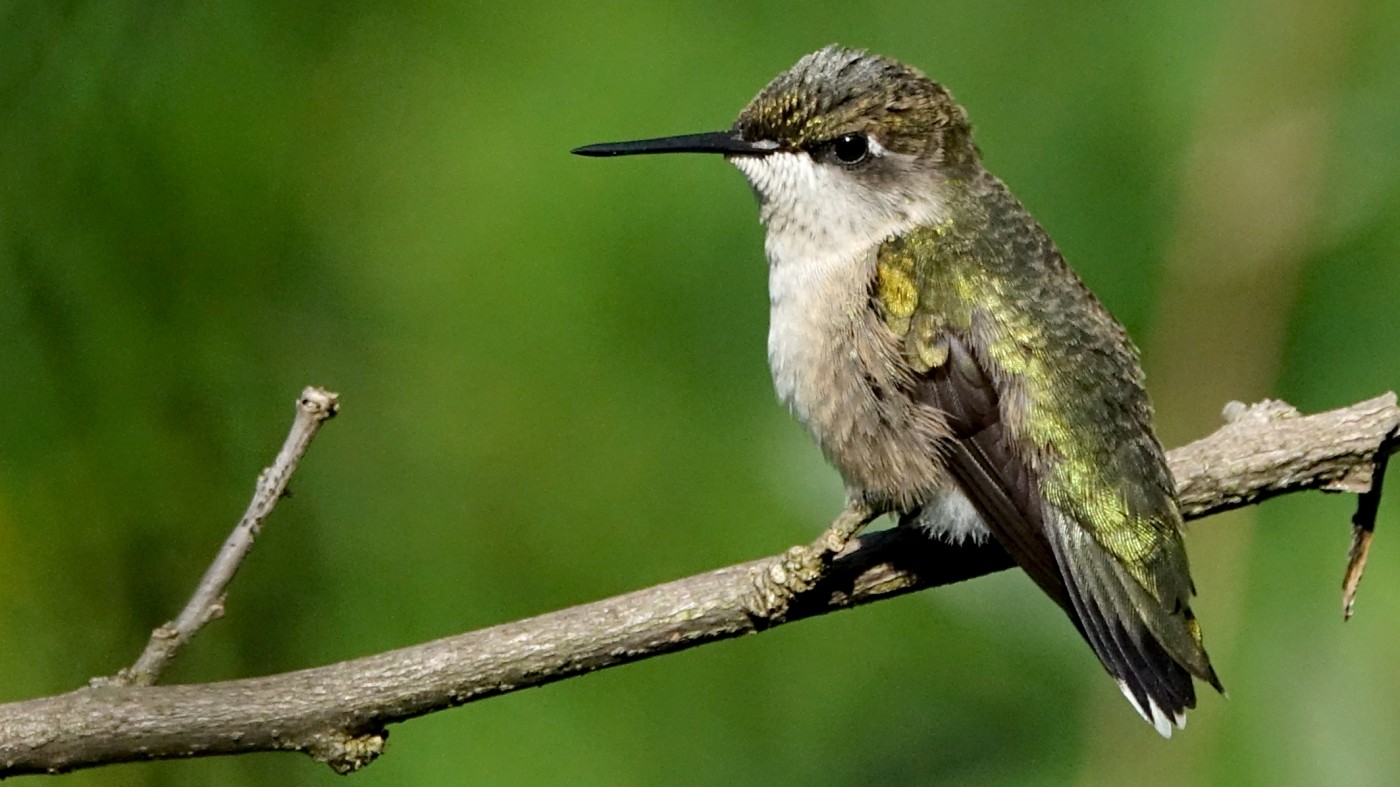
(813, 209)
(823, 229)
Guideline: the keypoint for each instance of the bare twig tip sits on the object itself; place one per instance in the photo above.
(319, 403)
(1363, 526)
(1262, 411)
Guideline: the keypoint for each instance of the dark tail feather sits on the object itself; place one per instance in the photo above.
(1102, 608)
(1160, 689)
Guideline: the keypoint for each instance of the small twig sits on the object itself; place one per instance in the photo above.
(314, 407)
(1363, 526)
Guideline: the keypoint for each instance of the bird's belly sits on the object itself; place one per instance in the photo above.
(831, 368)
(951, 516)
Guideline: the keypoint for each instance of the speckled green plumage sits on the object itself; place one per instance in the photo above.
(1048, 342)
(1068, 375)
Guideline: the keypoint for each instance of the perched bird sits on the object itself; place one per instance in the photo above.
(959, 375)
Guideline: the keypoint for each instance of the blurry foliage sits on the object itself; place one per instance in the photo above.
(555, 385)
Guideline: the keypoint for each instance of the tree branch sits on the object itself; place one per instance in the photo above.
(338, 713)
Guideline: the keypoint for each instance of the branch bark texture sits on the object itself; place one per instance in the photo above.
(338, 713)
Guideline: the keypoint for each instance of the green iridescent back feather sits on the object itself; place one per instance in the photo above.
(1070, 379)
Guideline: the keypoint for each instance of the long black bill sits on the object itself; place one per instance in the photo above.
(726, 142)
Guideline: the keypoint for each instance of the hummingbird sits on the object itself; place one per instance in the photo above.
(953, 368)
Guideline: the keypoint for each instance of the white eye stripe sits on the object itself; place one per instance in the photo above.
(876, 149)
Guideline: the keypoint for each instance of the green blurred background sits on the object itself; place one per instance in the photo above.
(554, 376)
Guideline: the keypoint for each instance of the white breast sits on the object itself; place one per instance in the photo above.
(823, 229)
(829, 359)
(814, 303)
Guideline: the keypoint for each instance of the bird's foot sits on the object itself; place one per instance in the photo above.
(778, 581)
(852, 519)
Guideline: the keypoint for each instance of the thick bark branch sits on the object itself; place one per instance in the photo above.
(338, 713)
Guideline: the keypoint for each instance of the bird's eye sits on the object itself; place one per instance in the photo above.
(850, 148)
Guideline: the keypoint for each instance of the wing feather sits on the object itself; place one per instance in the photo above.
(1108, 606)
